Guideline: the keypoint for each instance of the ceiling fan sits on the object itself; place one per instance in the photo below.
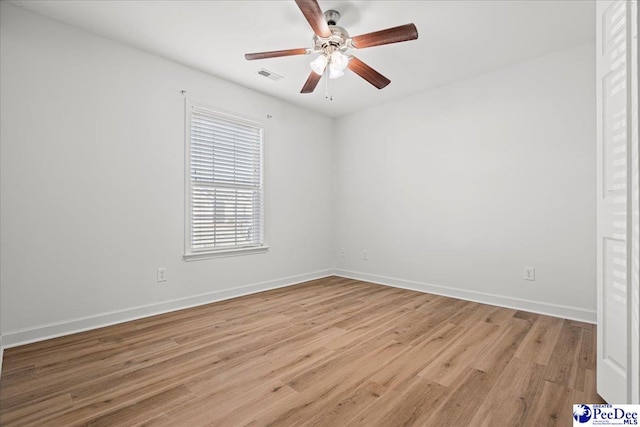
(332, 41)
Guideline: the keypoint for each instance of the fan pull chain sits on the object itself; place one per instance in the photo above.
(327, 91)
(326, 82)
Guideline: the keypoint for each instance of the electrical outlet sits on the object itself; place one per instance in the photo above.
(530, 273)
(162, 274)
(364, 255)
(342, 253)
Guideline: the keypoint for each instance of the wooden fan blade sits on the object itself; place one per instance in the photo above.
(402, 33)
(275, 54)
(311, 83)
(311, 10)
(368, 73)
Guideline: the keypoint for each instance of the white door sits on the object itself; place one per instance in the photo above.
(617, 183)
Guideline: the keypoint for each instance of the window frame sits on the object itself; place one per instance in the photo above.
(191, 254)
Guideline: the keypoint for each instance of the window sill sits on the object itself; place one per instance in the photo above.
(196, 256)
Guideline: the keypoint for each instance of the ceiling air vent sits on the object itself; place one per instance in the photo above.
(269, 74)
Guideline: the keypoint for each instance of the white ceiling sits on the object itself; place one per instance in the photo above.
(457, 39)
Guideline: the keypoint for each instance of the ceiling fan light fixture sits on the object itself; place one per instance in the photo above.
(335, 72)
(331, 41)
(319, 64)
(339, 61)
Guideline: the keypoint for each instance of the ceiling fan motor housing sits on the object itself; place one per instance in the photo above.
(339, 36)
(332, 48)
(332, 16)
(337, 40)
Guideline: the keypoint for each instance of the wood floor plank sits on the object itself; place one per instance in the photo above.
(553, 406)
(564, 363)
(415, 403)
(140, 412)
(331, 351)
(36, 413)
(347, 405)
(18, 375)
(500, 350)
(539, 344)
(458, 357)
(511, 398)
(95, 400)
(219, 405)
(589, 394)
(462, 401)
(409, 365)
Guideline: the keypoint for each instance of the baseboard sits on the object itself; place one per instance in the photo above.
(53, 330)
(555, 310)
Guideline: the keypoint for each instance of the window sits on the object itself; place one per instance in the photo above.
(224, 184)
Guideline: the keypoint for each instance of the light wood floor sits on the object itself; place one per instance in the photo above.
(329, 352)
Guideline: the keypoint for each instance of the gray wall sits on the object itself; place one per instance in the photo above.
(453, 191)
(456, 190)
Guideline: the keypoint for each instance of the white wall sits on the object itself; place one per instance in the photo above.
(463, 186)
(451, 191)
(92, 183)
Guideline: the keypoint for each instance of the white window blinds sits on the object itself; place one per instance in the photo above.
(226, 183)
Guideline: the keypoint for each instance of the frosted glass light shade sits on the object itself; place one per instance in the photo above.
(339, 61)
(318, 65)
(335, 72)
